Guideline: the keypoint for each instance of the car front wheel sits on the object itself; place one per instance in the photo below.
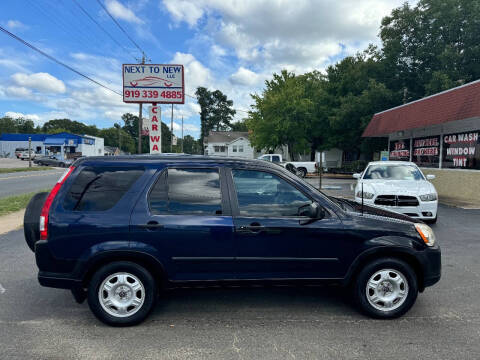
(122, 293)
(386, 288)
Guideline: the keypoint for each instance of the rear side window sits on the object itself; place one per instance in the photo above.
(187, 192)
(100, 188)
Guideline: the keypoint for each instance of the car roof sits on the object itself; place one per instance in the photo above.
(167, 158)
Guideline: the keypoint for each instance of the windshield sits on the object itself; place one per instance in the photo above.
(393, 172)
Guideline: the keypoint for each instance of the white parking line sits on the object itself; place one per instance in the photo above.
(2, 289)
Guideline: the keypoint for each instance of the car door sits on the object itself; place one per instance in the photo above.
(185, 217)
(273, 239)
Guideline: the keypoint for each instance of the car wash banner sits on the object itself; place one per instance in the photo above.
(400, 150)
(461, 150)
(426, 151)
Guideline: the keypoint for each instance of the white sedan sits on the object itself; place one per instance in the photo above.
(398, 186)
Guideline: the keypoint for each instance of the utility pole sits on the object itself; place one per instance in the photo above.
(171, 132)
(182, 133)
(140, 118)
(29, 151)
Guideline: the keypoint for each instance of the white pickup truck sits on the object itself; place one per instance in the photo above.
(303, 167)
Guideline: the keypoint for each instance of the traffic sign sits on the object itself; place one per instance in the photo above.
(153, 83)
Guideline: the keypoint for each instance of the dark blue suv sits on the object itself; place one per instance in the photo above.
(116, 230)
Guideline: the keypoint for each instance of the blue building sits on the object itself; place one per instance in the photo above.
(63, 145)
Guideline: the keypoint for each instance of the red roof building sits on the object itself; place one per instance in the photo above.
(438, 131)
(459, 103)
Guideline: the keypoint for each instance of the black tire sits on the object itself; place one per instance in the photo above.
(360, 287)
(31, 219)
(302, 172)
(145, 278)
(62, 165)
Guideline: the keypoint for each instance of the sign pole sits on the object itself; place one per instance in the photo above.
(140, 119)
(182, 134)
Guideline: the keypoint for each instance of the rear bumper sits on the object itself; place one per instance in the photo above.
(58, 280)
(54, 272)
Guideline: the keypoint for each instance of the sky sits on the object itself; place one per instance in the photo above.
(231, 45)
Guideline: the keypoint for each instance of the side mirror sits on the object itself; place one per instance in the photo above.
(430, 177)
(313, 211)
(357, 175)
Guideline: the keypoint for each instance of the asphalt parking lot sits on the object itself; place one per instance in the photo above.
(250, 323)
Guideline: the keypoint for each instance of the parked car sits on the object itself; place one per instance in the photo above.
(24, 155)
(18, 151)
(303, 167)
(116, 230)
(398, 186)
(52, 160)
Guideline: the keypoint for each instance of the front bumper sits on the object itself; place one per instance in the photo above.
(431, 261)
(426, 210)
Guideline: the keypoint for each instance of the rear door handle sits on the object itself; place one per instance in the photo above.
(252, 228)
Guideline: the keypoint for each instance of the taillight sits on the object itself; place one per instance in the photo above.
(48, 203)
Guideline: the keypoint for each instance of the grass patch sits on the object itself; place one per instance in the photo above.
(13, 170)
(18, 202)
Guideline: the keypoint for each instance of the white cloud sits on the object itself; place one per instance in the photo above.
(184, 10)
(18, 92)
(196, 74)
(245, 77)
(15, 25)
(119, 11)
(43, 82)
(299, 35)
(17, 115)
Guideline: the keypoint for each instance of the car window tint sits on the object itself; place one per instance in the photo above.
(100, 188)
(187, 191)
(275, 158)
(266, 195)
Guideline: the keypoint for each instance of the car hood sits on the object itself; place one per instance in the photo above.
(377, 212)
(398, 187)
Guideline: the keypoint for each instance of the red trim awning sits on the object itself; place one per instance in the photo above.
(459, 103)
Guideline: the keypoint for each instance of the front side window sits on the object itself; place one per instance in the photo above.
(186, 192)
(264, 194)
(100, 188)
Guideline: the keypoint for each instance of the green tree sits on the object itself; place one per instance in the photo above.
(432, 46)
(216, 111)
(20, 125)
(239, 125)
(71, 126)
(117, 137)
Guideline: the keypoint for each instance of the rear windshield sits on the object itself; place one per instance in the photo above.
(100, 188)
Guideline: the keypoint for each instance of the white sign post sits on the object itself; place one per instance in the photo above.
(155, 130)
(153, 83)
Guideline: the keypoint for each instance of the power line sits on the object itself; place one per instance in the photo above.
(102, 28)
(57, 61)
(121, 28)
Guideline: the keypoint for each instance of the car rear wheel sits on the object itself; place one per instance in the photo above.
(122, 293)
(302, 172)
(386, 288)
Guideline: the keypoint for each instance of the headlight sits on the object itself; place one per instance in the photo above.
(428, 197)
(366, 194)
(426, 233)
